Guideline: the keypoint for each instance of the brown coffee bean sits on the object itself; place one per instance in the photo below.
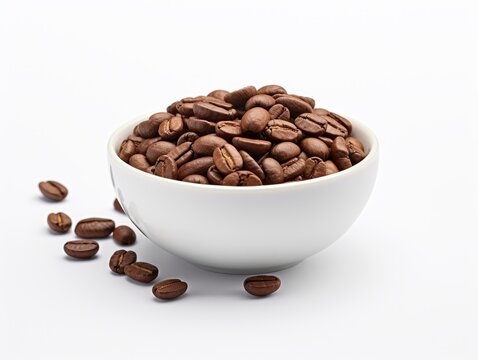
(200, 126)
(255, 120)
(94, 228)
(81, 249)
(281, 130)
(340, 119)
(59, 222)
(124, 235)
(356, 150)
(169, 289)
(228, 129)
(127, 149)
(53, 190)
(262, 285)
(227, 159)
(193, 99)
(186, 109)
(197, 166)
(273, 171)
(141, 271)
(272, 90)
(285, 151)
(148, 129)
(334, 127)
(186, 137)
(120, 259)
(311, 124)
(145, 144)
(158, 149)
(186, 157)
(211, 112)
(251, 165)
(239, 97)
(260, 100)
(315, 147)
(340, 153)
(214, 175)
(159, 117)
(218, 94)
(179, 150)
(117, 206)
(166, 167)
(293, 168)
(295, 105)
(171, 128)
(326, 140)
(307, 99)
(172, 109)
(196, 179)
(139, 161)
(314, 168)
(331, 167)
(242, 178)
(255, 147)
(206, 144)
(136, 139)
(280, 112)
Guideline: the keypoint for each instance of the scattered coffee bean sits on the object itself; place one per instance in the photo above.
(340, 153)
(124, 235)
(315, 147)
(272, 90)
(285, 151)
(139, 161)
(169, 289)
(127, 149)
(255, 120)
(94, 228)
(262, 285)
(227, 159)
(120, 259)
(117, 206)
(274, 174)
(53, 190)
(59, 222)
(293, 168)
(166, 167)
(141, 271)
(196, 179)
(242, 178)
(250, 164)
(81, 249)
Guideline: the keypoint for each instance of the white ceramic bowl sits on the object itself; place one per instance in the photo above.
(244, 229)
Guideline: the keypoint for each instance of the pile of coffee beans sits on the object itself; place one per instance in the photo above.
(246, 137)
(124, 262)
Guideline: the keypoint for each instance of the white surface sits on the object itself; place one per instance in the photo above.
(401, 284)
(244, 230)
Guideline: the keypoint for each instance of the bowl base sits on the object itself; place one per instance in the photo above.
(248, 271)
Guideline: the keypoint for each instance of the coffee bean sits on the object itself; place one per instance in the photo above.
(159, 117)
(340, 119)
(179, 150)
(136, 139)
(280, 112)
(124, 235)
(120, 259)
(148, 129)
(141, 271)
(254, 147)
(186, 137)
(285, 151)
(239, 97)
(186, 109)
(218, 102)
(158, 149)
(334, 127)
(117, 206)
(251, 165)
(315, 147)
(356, 150)
(94, 228)
(193, 99)
(307, 99)
(281, 130)
(340, 153)
(311, 123)
(293, 168)
(262, 285)
(53, 190)
(200, 126)
(145, 144)
(228, 129)
(314, 168)
(171, 128)
(295, 105)
(211, 112)
(242, 178)
(172, 109)
(326, 140)
(169, 289)
(214, 175)
(272, 90)
(127, 149)
(59, 222)
(166, 167)
(218, 94)
(273, 171)
(255, 120)
(139, 161)
(227, 159)
(260, 100)
(81, 249)
(186, 157)
(196, 179)
(197, 166)
(205, 145)
(331, 167)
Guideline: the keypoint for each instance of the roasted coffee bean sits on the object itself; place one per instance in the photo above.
(272, 90)
(141, 271)
(53, 190)
(171, 128)
(148, 129)
(285, 151)
(334, 128)
(356, 150)
(239, 97)
(200, 126)
(186, 157)
(172, 109)
(273, 171)
(326, 140)
(179, 150)
(211, 112)
(197, 179)
(262, 285)
(166, 167)
(159, 117)
(241, 178)
(81, 249)
(59, 222)
(340, 153)
(120, 259)
(307, 99)
(250, 164)
(205, 145)
(227, 159)
(186, 109)
(255, 120)
(314, 168)
(186, 137)
(254, 147)
(293, 168)
(124, 235)
(193, 99)
(260, 100)
(281, 130)
(139, 161)
(136, 139)
(197, 166)
(315, 147)
(280, 112)
(127, 149)
(218, 94)
(295, 105)
(228, 129)
(340, 119)
(158, 149)
(311, 123)
(145, 144)
(117, 206)
(218, 102)
(214, 175)
(169, 289)
(94, 228)
(331, 167)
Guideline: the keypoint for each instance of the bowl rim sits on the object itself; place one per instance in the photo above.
(371, 156)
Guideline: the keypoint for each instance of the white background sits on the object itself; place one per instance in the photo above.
(401, 284)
